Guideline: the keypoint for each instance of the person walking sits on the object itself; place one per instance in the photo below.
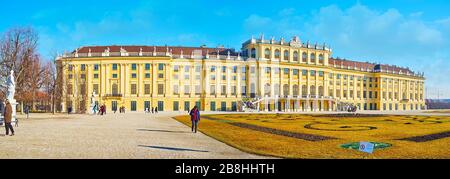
(8, 118)
(195, 118)
(156, 110)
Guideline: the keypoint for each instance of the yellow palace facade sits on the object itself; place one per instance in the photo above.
(266, 75)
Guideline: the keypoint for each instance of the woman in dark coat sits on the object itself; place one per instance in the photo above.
(8, 118)
(195, 118)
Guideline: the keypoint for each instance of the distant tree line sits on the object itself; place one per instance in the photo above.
(437, 104)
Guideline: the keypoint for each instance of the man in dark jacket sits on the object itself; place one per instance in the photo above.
(8, 118)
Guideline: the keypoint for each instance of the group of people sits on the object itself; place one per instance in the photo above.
(101, 110)
(7, 116)
(153, 110)
(121, 110)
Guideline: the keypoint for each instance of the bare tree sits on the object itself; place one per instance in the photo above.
(18, 52)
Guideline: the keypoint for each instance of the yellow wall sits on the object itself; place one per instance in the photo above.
(331, 86)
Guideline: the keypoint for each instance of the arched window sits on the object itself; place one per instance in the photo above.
(313, 90)
(304, 90)
(267, 89)
(295, 90)
(267, 53)
(304, 57)
(277, 89)
(286, 55)
(115, 90)
(296, 56)
(277, 54)
(321, 92)
(253, 53)
(312, 59)
(286, 90)
(321, 58)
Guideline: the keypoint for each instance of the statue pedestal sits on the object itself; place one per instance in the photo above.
(13, 106)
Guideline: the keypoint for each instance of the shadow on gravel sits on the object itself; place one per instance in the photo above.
(173, 149)
(152, 130)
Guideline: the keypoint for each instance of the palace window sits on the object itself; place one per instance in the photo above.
(83, 76)
(186, 77)
(161, 75)
(253, 53)
(160, 89)
(114, 67)
(95, 76)
(147, 75)
(321, 59)
(277, 54)
(267, 53)
(304, 72)
(286, 71)
(70, 68)
(133, 89)
(286, 55)
(295, 90)
(234, 69)
(133, 75)
(198, 69)
(286, 90)
(213, 89)
(176, 91)
(267, 69)
(304, 57)
(83, 67)
(304, 90)
(233, 90)
(224, 90)
(313, 90)
(96, 67)
(321, 73)
(295, 72)
(312, 58)
(114, 75)
(224, 69)
(147, 88)
(133, 66)
(313, 73)
(213, 77)
(187, 69)
(115, 89)
(213, 69)
(161, 66)
(296, 56)
(147, 66)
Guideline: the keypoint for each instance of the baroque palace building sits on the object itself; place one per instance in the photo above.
(274, 75)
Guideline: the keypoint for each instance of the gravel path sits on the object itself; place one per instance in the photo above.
(121, 136)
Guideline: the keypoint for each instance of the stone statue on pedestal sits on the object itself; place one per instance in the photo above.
(11, 86)
(93, 106)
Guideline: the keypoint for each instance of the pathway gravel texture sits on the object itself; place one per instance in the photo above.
(114, 136)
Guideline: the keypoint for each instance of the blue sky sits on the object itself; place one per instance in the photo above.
(413, 33)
